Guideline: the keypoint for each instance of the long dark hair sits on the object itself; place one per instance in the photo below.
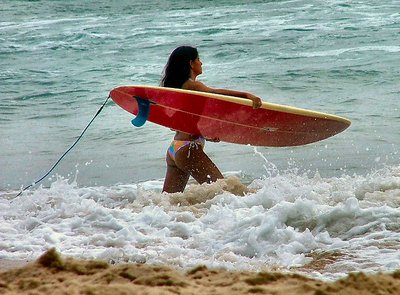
(177, 70)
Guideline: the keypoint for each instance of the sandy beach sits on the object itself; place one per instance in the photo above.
(54, 274)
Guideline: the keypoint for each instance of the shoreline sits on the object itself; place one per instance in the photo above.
(8, 264)
(53, 274)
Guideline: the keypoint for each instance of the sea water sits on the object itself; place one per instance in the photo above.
(324, 209)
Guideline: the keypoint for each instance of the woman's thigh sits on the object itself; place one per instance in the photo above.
(175, 178)
(194, 161)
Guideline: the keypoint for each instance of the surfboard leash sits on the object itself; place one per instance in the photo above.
(66, 152)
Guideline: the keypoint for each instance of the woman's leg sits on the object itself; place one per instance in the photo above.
(175, 179)
(195, 162)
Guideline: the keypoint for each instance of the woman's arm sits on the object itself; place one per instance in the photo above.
(199, 86)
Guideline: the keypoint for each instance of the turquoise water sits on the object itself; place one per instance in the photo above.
(59, 60)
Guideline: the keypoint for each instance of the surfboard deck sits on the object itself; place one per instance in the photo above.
(227, 118)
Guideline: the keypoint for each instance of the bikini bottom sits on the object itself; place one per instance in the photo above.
(176, 145)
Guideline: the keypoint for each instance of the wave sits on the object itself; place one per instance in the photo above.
(283, 221)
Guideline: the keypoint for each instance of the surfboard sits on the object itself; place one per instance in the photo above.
(226, 118)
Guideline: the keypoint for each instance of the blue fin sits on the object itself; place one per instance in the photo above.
(143, 114)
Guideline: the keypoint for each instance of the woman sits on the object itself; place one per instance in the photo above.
(185, 156)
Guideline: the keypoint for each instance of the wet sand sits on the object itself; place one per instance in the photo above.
(54, 274)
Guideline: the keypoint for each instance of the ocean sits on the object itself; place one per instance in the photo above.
(324, 209)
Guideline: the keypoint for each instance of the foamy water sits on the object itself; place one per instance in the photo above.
(281, 222)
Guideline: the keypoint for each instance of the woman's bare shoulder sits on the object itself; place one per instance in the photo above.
(195, 85)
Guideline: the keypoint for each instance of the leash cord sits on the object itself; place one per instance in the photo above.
(66, 152)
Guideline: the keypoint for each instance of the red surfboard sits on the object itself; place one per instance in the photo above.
(226, 118)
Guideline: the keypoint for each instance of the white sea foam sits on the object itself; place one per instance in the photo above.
(279, 222)
(337, 52)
